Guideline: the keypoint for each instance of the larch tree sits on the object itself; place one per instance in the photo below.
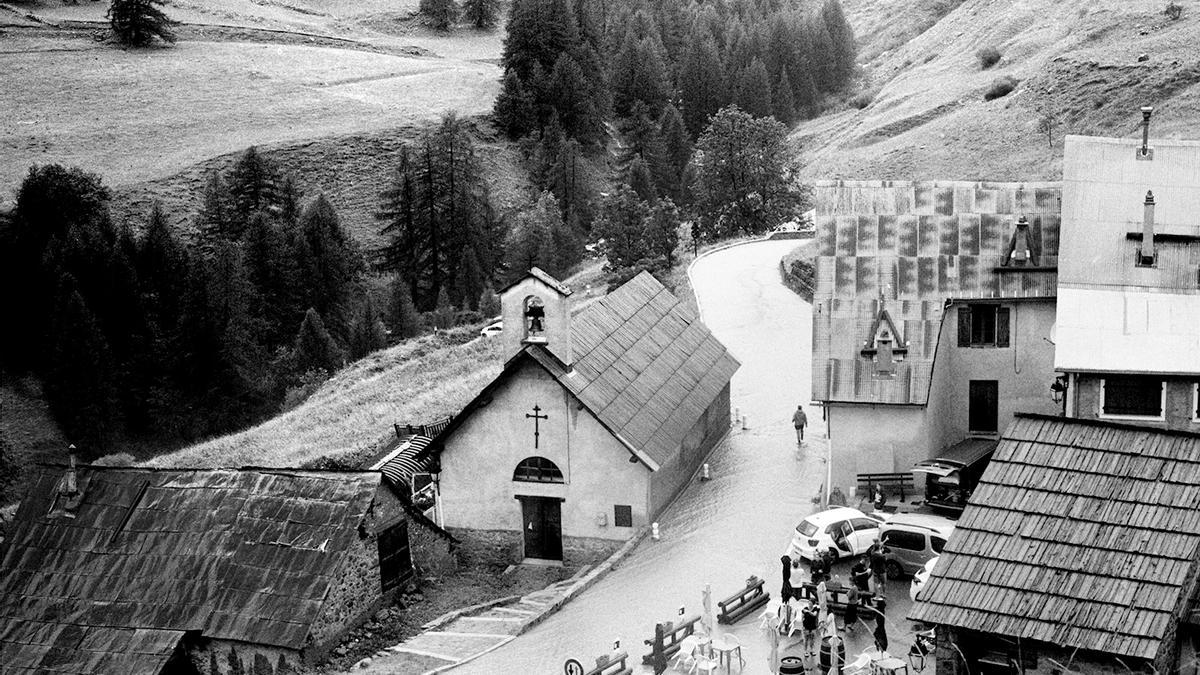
(315, 347)
(481, 14)
(439, 15)
(135, 23)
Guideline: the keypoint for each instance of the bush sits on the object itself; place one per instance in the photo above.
(863, 98)
(1173, 11)
(988, 57)
(1000, 87)
(117, 459)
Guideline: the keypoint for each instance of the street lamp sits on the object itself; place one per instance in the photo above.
(1058, 391)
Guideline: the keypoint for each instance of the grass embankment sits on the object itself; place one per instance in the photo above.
(352, 414)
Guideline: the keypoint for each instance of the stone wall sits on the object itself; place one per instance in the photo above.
(580, 551)
(228, 657)
(357, 590)
(1180, 403)
(431, 553)
(483, 547)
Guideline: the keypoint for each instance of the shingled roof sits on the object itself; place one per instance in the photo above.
(1080, 534)
(245, 555)
(906, 248)
(645, 366)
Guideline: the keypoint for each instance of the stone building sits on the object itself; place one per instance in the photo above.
(1129, 287)
(597, 421)
(932, 318)
(1078, 553)
(127, 570)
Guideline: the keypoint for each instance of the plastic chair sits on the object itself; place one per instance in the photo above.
(687, 652)
(704, 664)
(772, 609)
(734, 645)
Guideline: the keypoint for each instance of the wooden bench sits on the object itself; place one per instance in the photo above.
(665, 643)
(745, 601)
(893, 483)
(611, 665)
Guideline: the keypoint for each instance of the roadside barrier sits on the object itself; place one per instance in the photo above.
(611, 664)
(665, 643)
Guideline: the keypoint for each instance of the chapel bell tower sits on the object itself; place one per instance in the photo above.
(536, 309)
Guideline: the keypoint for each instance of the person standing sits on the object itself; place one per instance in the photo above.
(861, 576)
(799, 420)
(808, 622)
(851, 613)
(878, 568)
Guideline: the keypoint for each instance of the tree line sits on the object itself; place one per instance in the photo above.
(151, 335)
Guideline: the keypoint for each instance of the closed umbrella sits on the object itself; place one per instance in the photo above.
(707, 619)
(785, 591)
(773, 639)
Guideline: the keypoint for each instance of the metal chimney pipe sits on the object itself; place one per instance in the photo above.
(1146, 112)
(1148, 229)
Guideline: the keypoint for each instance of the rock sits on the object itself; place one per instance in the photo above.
(383, 614)
(372, 626)
(1143, 57)
(363, 663)
(341, 651)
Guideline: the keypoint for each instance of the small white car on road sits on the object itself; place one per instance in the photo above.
(494, 328)
(919, 579)
(844, 531)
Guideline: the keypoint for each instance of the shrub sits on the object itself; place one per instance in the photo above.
(1173, 11)
(117, 459)
(136, 23)
(1000, 87)
(863, 98)
(988, 57)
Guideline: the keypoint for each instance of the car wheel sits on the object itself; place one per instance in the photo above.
(894, 570)
(833, 554)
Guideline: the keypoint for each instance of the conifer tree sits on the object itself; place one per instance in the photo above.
(573, 100)
(570, 185)
(480, 13)
(639, 75)
(701, 84)
(754, 90)
(315, 347)
(514, 108)
(135, 23)
(843, 49)
(271, 269)
(215, 219)
(622, 225)
(252, 187)
(530, 243)
(439, 14)
(443, 312)
(677, 153)
(807, 98)
(489, 301)
(368, 333)
(783, 100)
(662, 231)
(403, 315)
(639, 180)
(330, 263)
(468, 282)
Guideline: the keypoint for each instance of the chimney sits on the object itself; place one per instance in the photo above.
(1147, 253)
(1146, 152)
(1022, 252)
(66, 496)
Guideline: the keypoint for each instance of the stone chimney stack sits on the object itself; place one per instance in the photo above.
(1146, 152)
(1148, 230)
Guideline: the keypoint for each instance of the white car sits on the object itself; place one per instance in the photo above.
(919, 579)
(842, 530)
(494, 328)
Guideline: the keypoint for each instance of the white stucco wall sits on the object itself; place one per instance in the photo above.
(477, 488)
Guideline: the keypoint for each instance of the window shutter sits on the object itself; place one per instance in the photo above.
(964, 326)
(1002, 327)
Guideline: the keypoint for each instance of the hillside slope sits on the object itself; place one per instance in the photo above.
(1077, 63)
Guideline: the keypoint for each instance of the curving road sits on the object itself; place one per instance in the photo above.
(721, 531)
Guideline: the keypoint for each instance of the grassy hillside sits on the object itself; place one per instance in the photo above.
(1076, 60)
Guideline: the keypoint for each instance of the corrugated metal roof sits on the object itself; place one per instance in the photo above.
(1080, 534)
(906, 247)
(1118, 316)
(237, 554)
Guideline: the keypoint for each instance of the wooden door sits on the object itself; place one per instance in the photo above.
(542, 525)
(982, 404)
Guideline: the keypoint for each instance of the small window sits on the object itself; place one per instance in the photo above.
(912, 541)
(983, 326)
(833, 528)
(395, 561)
(937, 544)
(1132, 396)
(861, 524)
(623, 515)
(537, 470)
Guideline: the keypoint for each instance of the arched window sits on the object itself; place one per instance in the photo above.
(537, 470)
(535, 318)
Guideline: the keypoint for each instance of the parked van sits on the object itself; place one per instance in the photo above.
(912, 539)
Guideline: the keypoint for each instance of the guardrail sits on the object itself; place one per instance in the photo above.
(745, 601)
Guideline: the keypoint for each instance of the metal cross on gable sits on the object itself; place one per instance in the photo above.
(536, 417)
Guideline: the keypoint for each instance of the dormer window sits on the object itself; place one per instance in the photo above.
(535, 319)
(884, 346)
(1021, 249)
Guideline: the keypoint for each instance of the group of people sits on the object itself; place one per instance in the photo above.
(864, 594)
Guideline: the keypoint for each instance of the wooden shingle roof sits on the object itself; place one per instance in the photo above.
(244, 555)
(906, 247)
(1080, 534)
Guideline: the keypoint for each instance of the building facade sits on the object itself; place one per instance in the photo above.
(1129, 300)
(597, 421)
(932, 316)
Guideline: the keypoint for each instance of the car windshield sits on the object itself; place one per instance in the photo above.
(806, 528)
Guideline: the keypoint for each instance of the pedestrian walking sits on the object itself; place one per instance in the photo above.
(861, 575)
(851, 613)
(799, 420)
(878, 568)
(808, 622)
(880, 499)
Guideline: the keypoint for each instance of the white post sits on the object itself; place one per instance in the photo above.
(745, 422)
